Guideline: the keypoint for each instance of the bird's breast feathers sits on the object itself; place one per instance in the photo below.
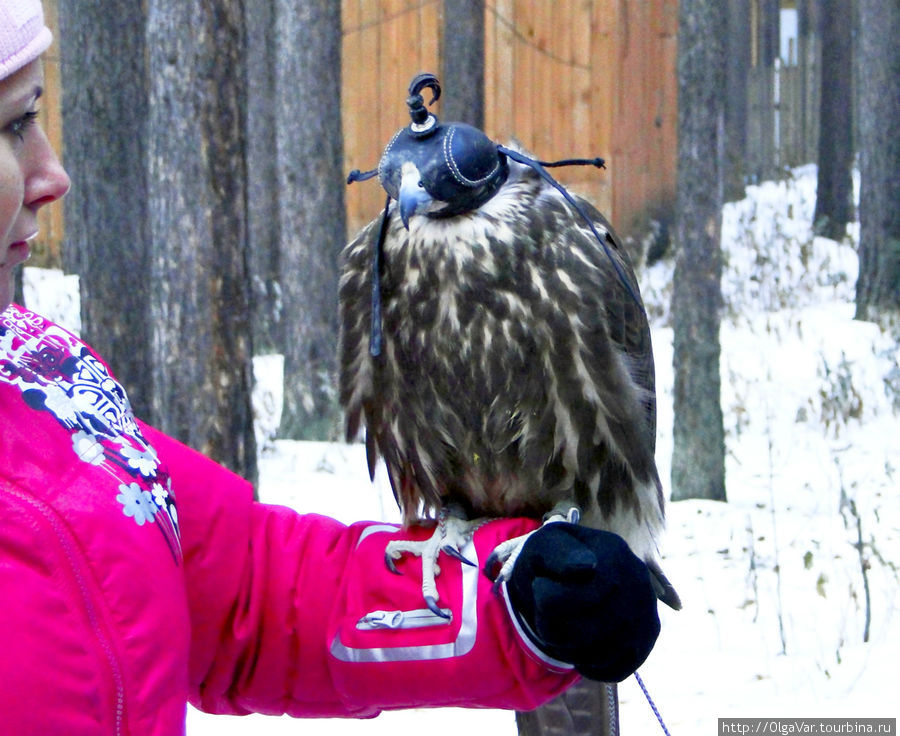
(499, 380)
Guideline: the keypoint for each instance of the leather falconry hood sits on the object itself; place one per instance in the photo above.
(459, 168)
(457, 163)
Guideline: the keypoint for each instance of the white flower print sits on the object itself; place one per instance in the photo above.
(144, 462)
(87, 448)
(60, 403)
(160, 495)
(137, 503)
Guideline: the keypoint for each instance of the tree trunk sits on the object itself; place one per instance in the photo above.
(588, 708)
(153, 124)
(738, 60)
(105, 150)
(199, 301)
(310, 189)
(698, 462)
(834, 194)
(263, 232)
(462, 76)
(878, 286)
(769, 31)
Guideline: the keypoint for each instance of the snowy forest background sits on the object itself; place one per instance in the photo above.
(773, 289)
(792, 588)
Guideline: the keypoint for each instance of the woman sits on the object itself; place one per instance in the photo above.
(136, 575)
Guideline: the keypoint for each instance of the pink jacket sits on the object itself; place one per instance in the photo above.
(136, 574)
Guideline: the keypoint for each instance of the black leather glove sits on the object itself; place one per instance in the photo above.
(584, 598)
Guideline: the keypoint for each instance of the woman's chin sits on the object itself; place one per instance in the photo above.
(16, 253)
(6, 289)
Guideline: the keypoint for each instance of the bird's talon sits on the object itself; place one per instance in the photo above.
(455, 553)
(389, 564)
(435, 608)
(495, 586)
(492, 566)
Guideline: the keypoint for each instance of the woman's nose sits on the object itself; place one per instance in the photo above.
(46, 179)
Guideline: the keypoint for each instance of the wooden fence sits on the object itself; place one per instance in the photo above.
(563, 77)
(783, 116)
(46, 247)
(566, 78)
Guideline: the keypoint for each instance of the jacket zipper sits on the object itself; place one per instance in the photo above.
(415, 619)
(97, 625)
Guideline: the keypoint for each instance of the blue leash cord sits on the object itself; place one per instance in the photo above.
(652, 704)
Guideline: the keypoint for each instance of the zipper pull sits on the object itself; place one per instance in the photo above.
(415, 619)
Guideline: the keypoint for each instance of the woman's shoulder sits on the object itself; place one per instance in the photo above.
(89, 522)
(70, 424)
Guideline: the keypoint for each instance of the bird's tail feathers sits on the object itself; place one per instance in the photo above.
(664, 590)
(641, 536)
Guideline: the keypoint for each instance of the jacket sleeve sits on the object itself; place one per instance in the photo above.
(298, 614)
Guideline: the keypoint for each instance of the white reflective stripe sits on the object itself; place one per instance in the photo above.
(529, 644)
(461, 646)
(377, 529)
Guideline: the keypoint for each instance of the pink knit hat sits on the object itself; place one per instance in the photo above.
(23, 35)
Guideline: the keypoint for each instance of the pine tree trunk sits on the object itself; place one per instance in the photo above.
(153, 107)
(199, 301)
(104, 104)
(878, 287)
(588, 708)
(462, 75)
(808, 45)
(738, 59)
(310, 190)
(834, 193)
(263, 232)
(698, 461)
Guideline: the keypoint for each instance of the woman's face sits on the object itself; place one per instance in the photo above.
(30, 172)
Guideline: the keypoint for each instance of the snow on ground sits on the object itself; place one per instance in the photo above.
(781, 584)
(773, 584)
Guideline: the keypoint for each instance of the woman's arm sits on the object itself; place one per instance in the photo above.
(298, 614)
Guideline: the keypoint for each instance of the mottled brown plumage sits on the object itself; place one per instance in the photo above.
(510, 369)
(516, 370)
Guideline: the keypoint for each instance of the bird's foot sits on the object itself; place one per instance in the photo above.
(451, 535)
(502, 560)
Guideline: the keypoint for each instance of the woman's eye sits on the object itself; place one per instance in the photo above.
(20, 125)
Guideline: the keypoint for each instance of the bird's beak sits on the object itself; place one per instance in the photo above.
(412, 196)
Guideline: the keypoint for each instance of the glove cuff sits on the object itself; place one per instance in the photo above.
(530, 640)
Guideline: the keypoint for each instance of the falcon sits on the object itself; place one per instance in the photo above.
(494, 345)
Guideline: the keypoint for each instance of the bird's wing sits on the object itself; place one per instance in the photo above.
(634, 482)
(355, 299)
(612, 354)
(626, 316)
(371, 388)
(595, 367)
